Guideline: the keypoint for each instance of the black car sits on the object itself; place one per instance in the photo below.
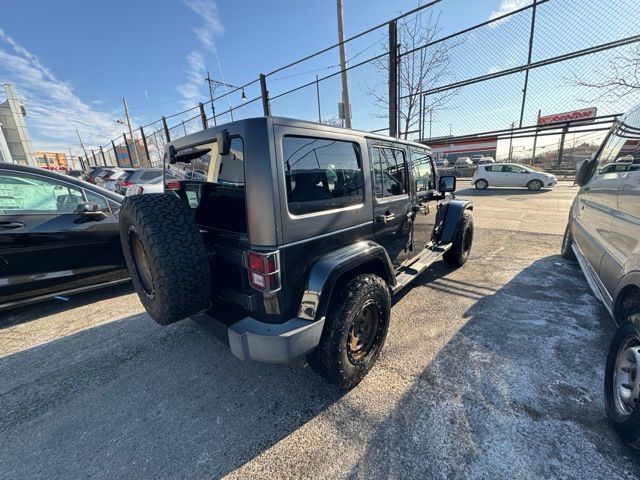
(58, 235)
(299, 233)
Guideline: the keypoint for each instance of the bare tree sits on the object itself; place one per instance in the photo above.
(622, 77)
(418, 71)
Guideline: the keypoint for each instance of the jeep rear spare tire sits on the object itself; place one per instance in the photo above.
(165, 255)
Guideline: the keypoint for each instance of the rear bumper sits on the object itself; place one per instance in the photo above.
(250, 339)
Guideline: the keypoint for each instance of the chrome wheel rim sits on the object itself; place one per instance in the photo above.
(626, 378)
(363, 332)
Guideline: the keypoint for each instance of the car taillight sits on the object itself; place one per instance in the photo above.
(264, 271)
(124, 183)
(173, 185)
(138, 190)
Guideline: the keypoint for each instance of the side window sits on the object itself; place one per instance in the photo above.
(621, 152)
(146, 176)
(27, 194)
(422, 170)
(389, 171)
(321, 174)
(99, 199)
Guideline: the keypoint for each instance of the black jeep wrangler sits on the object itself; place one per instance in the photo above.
(293, 236)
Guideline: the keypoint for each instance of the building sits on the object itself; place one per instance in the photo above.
(52, 160)
(451, 148)
(15, 142)
(122, 154)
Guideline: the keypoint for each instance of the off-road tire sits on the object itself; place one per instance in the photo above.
(459, 252)
(173, 250)
(331, 359)
(535, 185)
(627, 427)
(481, 184)
(567, 241)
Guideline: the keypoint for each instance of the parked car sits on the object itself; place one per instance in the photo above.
(442, 162)
(93, 173)
(619, 166)
(154, 186)
(485, 160)
(303, 231)
(135, 177)
(603, 234)
(511, 175)
(109, 181)
(58, 236)
(102, 178)
(476, 158)
(463, 162)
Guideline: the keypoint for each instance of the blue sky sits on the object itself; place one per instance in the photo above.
(77, 59)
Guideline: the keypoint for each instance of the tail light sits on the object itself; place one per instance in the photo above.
(263, 270)
(175, 185)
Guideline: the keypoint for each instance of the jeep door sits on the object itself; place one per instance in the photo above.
(424, 205)
(392, 216)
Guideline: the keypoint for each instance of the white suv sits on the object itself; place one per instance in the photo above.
(511, 175)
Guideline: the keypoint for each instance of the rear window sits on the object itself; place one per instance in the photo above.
(321, 174)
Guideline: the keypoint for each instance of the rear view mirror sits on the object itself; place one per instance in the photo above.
(224, 145)
(447, 183)
(585, 172)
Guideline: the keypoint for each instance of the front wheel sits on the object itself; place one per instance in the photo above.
(481, 184)
(622, 382)
(459, 252)
(354, 331)
(534, 185)
(567, 241)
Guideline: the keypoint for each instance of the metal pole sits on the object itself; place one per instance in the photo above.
(203, 116)
(184, 128)
(115, 152)
(95, 160)
(526, 73)
(133, 139)
(126, 144)
(104, 159)
(565, 128)
(393, 80)
(146, 146)
(265, 96)
(421, 118)
(346, 108)
(430, 122)
(71, 162)
(318, 95)
(166, 129)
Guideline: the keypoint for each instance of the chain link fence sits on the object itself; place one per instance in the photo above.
(493, 80)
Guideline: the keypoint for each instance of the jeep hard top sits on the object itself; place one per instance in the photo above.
(292, 237)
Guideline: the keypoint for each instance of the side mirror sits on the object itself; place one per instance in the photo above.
(224, 145)
(90, 210)
(584, 172)
(447, 183)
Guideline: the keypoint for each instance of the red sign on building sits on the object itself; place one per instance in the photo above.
(576, 115)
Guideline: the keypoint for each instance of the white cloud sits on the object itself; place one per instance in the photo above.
(196, 69)
(507, 6)
(54, 111)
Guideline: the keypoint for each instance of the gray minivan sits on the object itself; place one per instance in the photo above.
(603, 234)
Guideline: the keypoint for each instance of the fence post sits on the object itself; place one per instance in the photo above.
(565, 129)
(393, 79)
(95, 160)
(146, 147)
(203, 116)
(265, 95)
(104, 159)
(82, 165)
(526, 73)
(115, 152)
(126, 144)
(166, 129)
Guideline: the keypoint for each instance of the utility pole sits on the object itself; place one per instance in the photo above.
(513, 124)
(213, 108)
(71, 161)
(346, 106)
(535, 139)
(82, 145)
(133, 140)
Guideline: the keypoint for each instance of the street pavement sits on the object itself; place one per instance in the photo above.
(493, 370)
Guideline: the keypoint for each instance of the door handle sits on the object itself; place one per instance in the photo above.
(10, 225)
(386, 218)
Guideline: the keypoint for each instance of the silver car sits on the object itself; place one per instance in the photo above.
(603, 235)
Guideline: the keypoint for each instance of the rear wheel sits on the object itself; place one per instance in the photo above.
(534, 185)
(354, 332)
(567, 241)
(481, 184)
(622, 381)
(459, 252)
(165, 255)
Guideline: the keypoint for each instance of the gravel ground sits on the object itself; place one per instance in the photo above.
(493, 370)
